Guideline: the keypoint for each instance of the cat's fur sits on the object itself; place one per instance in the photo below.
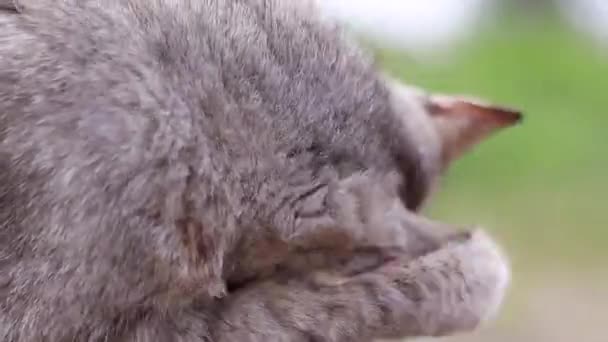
(442, 128)
(150, 149)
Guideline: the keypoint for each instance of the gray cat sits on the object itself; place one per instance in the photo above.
(442, 129)
(151, 150)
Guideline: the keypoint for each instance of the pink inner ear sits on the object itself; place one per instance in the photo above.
(497, 115)
(454, 105)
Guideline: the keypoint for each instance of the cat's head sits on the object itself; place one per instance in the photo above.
(443, 128)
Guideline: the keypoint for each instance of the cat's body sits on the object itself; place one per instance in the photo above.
(153, 150)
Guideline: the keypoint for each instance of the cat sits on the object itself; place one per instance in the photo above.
(443, 128)
(150, 149)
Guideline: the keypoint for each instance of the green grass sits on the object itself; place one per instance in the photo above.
(541, 186)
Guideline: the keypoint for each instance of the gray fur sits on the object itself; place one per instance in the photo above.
(149, 147)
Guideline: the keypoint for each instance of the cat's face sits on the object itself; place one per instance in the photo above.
(444, 127)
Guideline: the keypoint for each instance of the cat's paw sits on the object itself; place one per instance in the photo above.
(485, 271)
(456, 288)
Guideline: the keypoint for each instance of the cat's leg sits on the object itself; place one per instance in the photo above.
(186, 325)
(448, 291)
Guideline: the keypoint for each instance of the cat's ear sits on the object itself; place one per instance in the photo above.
(461, 122)
(10, 6)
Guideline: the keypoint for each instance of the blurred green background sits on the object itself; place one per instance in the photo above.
(544, 182)
(541, 187)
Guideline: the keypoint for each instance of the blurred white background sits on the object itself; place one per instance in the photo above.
(424, 26)
(412, 25)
